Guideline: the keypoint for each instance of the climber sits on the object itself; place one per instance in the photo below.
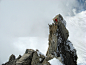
(56, 21)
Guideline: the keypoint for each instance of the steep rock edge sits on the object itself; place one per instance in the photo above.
(59, 47)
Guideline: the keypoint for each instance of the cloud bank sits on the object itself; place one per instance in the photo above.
(23, 18)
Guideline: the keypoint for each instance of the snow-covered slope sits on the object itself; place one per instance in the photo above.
(55, 61)
(77, 34)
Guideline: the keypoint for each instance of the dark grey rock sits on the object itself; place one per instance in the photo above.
(12, 57)
(65, 48)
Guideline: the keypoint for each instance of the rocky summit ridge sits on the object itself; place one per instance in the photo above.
(59, 47)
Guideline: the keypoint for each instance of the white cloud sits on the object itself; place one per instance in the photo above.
(27, 19)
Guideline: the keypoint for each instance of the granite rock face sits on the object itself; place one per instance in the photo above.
(59, 47)
(30, 57)
(12, 60)
(26, 58)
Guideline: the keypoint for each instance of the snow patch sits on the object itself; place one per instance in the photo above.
(55, 61)
(70, 44)
(64, 22)
(40, 59)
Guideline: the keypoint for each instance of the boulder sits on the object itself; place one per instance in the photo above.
(26, 58)
(12, 57)
(38, 58)
(12, 60)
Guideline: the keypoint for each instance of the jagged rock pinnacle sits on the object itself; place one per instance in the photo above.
(59, 47)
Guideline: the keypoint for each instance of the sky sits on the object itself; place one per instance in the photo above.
(24, 24)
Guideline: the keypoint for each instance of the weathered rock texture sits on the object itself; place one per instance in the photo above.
(59, 47)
